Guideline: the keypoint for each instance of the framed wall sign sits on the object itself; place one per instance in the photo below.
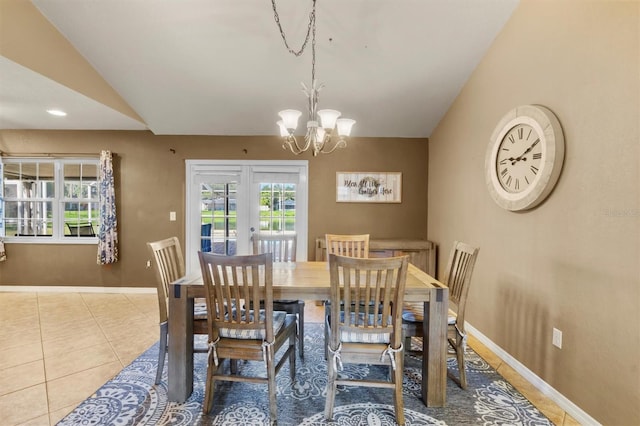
(368, 187)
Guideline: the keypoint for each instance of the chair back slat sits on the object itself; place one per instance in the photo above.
(458, 276)
(167, 255)
(282, 246)
(234, 282)
(348, 245)
(367, 290)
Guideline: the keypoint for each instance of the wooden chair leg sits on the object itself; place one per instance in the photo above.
(162, 350)
(301, 328)
(460, 347)
(327, 311)
(209, 385)
(292, 358)
(398, 375)
(331, 391)
(271, 380)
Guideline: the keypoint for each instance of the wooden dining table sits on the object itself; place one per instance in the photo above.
(310, 281)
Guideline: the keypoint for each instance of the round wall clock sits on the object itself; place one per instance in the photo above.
(524, 157)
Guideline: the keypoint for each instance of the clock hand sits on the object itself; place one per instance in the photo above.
(530, 148)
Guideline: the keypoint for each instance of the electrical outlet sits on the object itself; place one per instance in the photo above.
(148, 264)
(557, 338)
(172, 216)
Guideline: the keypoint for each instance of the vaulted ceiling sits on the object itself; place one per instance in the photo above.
(220, 67)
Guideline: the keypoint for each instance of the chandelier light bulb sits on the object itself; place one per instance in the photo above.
(283, 129)
(344, 126)
(328, 118)
(290, 118)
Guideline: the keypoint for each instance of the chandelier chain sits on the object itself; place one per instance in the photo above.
(312, 20)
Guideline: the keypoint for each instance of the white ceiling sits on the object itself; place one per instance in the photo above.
(219, 67)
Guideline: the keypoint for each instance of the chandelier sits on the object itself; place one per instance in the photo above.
(326, 131)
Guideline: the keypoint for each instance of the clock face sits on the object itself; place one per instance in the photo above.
(524, 157)
(519, 158)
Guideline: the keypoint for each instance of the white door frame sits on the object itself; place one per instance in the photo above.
(247, 218)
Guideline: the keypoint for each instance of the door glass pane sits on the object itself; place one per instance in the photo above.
(218, 218)
(277, 207)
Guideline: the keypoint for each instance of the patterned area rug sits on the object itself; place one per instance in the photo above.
(131, 398)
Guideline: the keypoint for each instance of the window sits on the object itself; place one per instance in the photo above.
(50, 200)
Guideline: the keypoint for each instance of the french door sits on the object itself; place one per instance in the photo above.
(228, 200)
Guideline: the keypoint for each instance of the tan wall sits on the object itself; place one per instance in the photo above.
(572, 262)
(150, 180)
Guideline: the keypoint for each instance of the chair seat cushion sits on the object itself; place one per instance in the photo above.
(359, 335)
(258, 333)
(200, 311)
(413, 312)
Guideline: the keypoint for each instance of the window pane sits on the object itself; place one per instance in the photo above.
(34, 218)
(218, 224)
(277, 207)
(46, 180)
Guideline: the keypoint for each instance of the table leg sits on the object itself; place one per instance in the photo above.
(180, 363)
(434, 348)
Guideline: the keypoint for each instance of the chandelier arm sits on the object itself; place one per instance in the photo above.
(312, 20)
(341, 143)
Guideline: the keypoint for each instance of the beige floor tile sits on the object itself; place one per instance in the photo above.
(69, 329)
(29, 326)
(62, 345)
(38, 421)
(26, 404)
(313, 313)
(21, 376)
(75, 388)
(79, 360)
(115, 329)
(145, 303)
(57, 415)
(11, 355)
(130, 347)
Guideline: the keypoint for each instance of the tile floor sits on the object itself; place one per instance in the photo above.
(56, 349)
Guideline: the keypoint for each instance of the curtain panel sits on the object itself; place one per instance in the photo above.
(108, 235)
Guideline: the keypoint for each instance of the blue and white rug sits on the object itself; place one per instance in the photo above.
(131, 398)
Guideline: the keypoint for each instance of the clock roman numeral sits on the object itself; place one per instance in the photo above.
(520, 133)
(527, 180)
(529, 134)
(508, 182)
(537, 156)
(534, 169)
(503, 172)
(512, 139)
(517, 184)
(504, 161)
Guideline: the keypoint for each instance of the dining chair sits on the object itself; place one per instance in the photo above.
(365, 324)
(457, 277)
(244, 334)
(283, 249)
(356, 245)
(169, 267)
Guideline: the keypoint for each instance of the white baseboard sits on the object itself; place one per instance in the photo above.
(569, 407)
(70, 289)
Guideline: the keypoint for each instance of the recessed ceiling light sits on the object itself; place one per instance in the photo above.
(56, 112)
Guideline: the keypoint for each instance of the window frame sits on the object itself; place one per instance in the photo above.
(58, 200)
